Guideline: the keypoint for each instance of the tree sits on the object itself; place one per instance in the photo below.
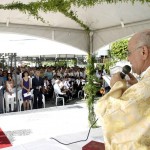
(119, 50)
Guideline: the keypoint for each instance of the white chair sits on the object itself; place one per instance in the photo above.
(43, 100)
(9, 97)
(59, 98)
(79, 93)
(85, 96)
(82, 92)
(32, 93)
(20, 99)
(3, 106)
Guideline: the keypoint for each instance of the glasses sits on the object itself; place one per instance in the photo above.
(130, 52)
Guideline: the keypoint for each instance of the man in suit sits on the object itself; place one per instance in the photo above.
(37, 84)
(1, 93)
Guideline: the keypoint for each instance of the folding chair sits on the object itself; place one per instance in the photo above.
(20, 99)
(9, 97)
(59, 98)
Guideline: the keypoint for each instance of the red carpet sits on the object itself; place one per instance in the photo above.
(93, 145)
(4, 141)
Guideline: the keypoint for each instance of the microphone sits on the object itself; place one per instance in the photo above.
(125, 70)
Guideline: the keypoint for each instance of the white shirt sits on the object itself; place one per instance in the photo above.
(76, 74)
(67, 84)
(53, 81)
(57, 89)
(61, 84)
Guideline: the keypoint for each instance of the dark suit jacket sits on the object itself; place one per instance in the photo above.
(36, 83)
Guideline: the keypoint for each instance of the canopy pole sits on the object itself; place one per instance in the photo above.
(66, 61)
(91, 42)
(16, 89)
(3, 62)
(11, 60)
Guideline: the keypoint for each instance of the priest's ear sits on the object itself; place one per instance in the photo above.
(145, 52)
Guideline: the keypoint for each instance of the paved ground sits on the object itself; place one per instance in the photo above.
(51, 102)
(32, 128)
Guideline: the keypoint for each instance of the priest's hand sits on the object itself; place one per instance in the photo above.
(132, 80)
(115, 77)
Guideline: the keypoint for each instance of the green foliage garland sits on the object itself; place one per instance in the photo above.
(33, 9)
(62, 6)
(90, 88)
(93, 2)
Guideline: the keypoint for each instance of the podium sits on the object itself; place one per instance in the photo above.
(93, 145)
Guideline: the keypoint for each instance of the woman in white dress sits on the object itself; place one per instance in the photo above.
(9, 94)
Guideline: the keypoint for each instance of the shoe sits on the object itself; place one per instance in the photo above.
(67, 101)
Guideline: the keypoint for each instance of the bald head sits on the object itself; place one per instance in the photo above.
(139, 51)
(142, 38)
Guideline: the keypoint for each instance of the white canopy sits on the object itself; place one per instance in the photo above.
(33, 46)
(108, 22)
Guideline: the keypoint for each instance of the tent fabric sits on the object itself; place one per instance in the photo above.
(108, 22)
(106, 36)
(33, 46)
(75, 38)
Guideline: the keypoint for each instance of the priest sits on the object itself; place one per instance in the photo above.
(125, 110)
